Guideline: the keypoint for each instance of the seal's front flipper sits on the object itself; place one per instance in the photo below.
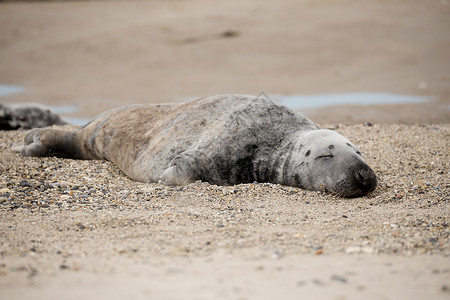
(175, 175)
(180, 171)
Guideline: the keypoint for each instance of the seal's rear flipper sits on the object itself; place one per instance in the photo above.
(47, 142)
(32, 144)
(17, 147)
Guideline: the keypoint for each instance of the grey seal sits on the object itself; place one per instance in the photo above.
(223, 140)
(27, 116)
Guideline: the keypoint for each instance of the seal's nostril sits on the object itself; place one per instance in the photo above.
(360, 177)
(366, 180)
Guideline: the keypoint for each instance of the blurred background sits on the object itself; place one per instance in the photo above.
(336, 61)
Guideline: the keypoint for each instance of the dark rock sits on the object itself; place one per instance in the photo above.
(24, 183)
(433, 240)
(339, 278)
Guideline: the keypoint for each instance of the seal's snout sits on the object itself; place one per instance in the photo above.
(365, 179)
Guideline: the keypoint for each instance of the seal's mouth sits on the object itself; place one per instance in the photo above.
(359, 183)
(366, 180)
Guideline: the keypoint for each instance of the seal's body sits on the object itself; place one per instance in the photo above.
(224, 140)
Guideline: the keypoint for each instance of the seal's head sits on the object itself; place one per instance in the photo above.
(327, 161)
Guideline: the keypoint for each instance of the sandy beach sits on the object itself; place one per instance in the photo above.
(74, 229)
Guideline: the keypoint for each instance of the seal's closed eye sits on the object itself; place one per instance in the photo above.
(325, 155)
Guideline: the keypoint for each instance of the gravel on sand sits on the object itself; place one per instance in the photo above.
(89, 219)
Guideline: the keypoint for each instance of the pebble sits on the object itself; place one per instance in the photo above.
(24, 183)
(276, 255)
(149, 190)
(359, 250)
(5, 191)
(339, 278)
(319, 282)
(4, 271)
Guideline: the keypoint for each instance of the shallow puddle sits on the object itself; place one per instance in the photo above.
(298, 102)
(326, 100)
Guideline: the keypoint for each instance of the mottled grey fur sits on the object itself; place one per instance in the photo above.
(224, 140)
(26, 116)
